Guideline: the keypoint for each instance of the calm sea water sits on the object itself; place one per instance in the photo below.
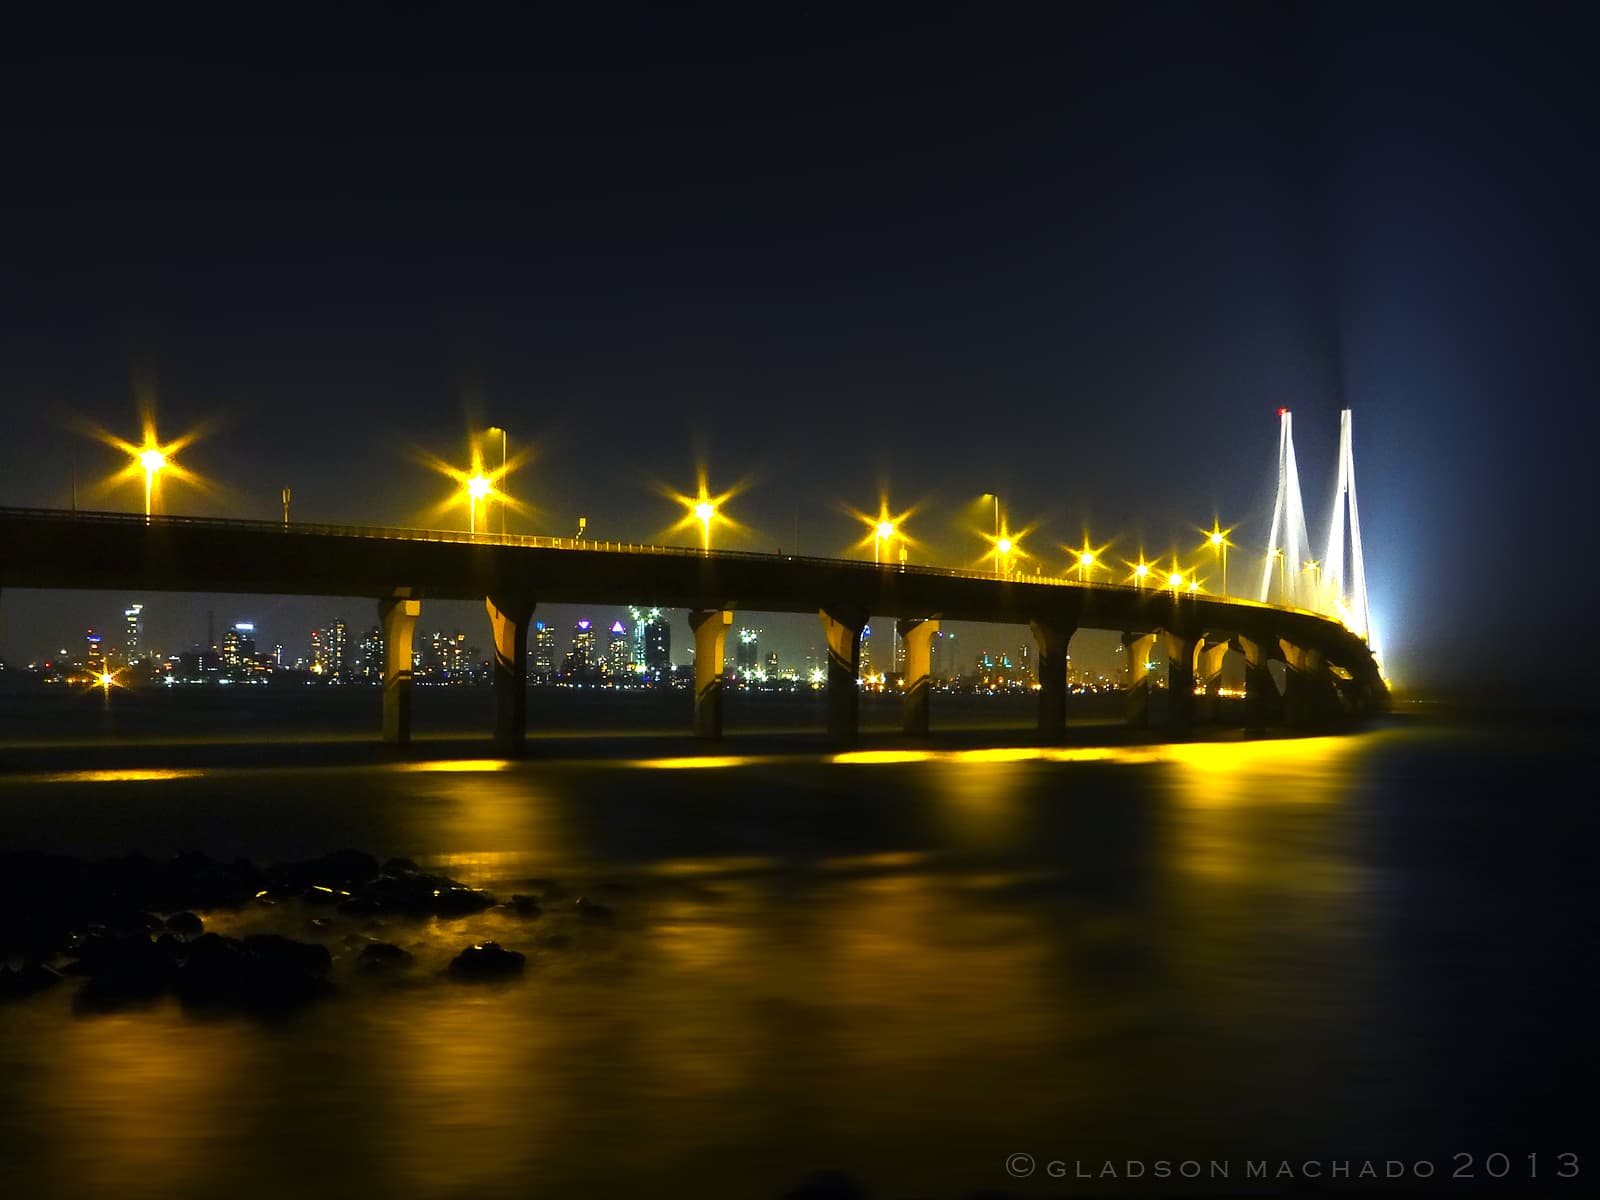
(907, 967)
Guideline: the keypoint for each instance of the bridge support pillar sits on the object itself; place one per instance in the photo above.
(1309, 696)
(509, 616)
(398, 618)
(1181, 649)
(1052, 637)
(1136, 649)
(916, 636)
(710, 626)
(842, 625)
(1208, 673)
(1260, 693)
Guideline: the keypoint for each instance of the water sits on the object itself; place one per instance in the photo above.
(1369, 947)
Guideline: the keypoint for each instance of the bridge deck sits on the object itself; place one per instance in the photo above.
(48, 548)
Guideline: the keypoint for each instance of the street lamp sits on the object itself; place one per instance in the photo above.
(1217, 539)
(705, 512)
(1139, 571)
(1313, 566)
(1175, 582)
(478, 488)
(882, 532)
(494, 429)
(153, 462)
(1087, 558)
(1002, 548)
(997, 538)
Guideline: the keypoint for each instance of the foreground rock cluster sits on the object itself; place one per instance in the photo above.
(129, 925)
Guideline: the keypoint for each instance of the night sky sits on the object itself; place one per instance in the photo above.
(1077, 256)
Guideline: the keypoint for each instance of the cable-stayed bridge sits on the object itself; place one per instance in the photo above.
(1314, 621)
(1336, 584)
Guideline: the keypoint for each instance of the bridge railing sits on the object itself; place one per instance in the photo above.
(547, 542)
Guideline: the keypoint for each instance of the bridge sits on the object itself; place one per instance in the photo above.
(1329, 667)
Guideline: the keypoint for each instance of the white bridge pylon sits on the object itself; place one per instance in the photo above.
(1288, 544)
(1335, 586)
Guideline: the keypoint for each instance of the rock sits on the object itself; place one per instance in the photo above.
(261, 973)
(526, 906)
(320, 922)
(196, 880)
(212, 970)
(487, 960)
(400, 866)
(358, 906)
(590, 910)
(341, 871)
(423, 895)
(131, 880)
(185, 925)
(120, 966)
(382, 956)
(280, 953)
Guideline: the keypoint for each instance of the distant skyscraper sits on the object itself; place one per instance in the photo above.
(370, 664)
(133, 632)
(94, 656)
(329, 651)
(544, 650)
(238, 649)
(652, 642)
(619, 659)
(580, 658)
(747, 656)
(339, 651)
(866, 650)
(448, 661)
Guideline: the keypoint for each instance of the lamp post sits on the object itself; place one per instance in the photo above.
(286, 496)
(153, 461)
(997, 539)
(494, 429)
(882, 532)
(1086, 566)
(1219, 543)
(704, 512)
(478, 488)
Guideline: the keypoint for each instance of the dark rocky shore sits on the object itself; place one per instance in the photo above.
(135, 929)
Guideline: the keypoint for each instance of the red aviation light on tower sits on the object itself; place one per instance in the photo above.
(1283, 412)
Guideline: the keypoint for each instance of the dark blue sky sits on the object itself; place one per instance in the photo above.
(1077, 257)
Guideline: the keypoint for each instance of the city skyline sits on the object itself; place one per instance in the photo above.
(356, 656)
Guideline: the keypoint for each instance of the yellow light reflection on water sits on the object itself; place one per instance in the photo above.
(456, 765)
(859, 757)
(116, 775)
(706, 761)
(134, 1079)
